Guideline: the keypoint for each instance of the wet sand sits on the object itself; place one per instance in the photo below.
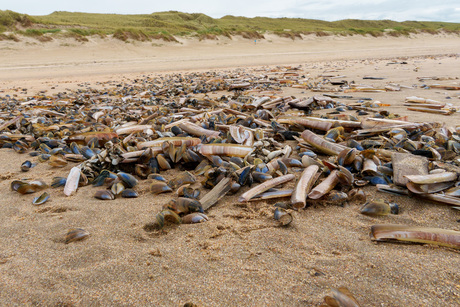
(240, 256)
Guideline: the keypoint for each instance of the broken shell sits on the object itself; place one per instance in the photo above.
(57, 161)
(284, 217)
(26, 166)
(335, 197)
(40, 200)
(195, 217)
(103, 176)
(321, 144)
(186, 191)
(432, 178)
(347, 156)
(76, 234)
(58, 182)
(181, 179)
(27, 187)
(184, 205)
(158, 187)
(341, 297)
(357, 195)
(379, 208)
(167, 216)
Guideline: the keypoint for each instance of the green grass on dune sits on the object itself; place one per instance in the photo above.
(166, 25)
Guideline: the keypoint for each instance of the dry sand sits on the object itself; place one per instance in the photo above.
(240, 257)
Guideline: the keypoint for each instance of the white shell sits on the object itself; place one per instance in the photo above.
(73, 178)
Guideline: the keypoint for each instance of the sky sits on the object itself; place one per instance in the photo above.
(330, 10)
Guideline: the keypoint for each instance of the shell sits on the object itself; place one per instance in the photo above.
(324, 187)
(284, 217)
(104, 195)
(167, 215)
(303, 187)
(129, 193)
(76, 234)
(26, 166)
(40, 200)
(28, 187)
(58, 182)
(231, 150)
(158, 187)
(443, 237)
(265, 186)
(184, 205)
(379, 208)
(195, 217)
(181, 179)
(128, 180)
(73, 178)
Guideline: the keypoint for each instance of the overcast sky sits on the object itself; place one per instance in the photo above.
(399, 10)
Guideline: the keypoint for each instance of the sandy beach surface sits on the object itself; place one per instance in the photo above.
(240, 257)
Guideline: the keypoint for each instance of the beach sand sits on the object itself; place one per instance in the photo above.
(240, 257)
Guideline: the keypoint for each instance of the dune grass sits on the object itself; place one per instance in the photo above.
(166, 25)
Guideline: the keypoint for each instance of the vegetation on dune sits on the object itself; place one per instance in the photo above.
(166, 25)
(10, 19)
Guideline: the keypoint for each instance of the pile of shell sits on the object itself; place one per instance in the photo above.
(213, 127)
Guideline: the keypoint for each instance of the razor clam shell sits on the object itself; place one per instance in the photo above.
(131, 129)
(314, 124)
(443, 237)
(324, 187)
(321, 144)
(273, 194)
(231, 150)
(429, 188)
(369, 167)
(265, 186)
(393, 189)
(432, 178)
(445, 199)
(303, 187)
(176, 141)
(196, 130)
(455, 191)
